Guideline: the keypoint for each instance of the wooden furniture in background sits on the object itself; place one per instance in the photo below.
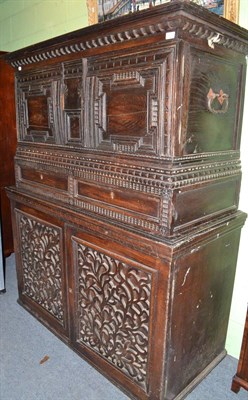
(126, 200)
(240, 380)
(8, 142)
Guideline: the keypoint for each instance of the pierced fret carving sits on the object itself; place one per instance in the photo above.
(113, 310)
(40, 245)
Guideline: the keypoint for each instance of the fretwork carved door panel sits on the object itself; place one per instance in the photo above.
(113, 307)
(42, 285)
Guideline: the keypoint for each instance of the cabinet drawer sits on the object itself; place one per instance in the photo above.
(44, 178)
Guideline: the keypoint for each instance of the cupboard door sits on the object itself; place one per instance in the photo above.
(113, 306)
(40, 268)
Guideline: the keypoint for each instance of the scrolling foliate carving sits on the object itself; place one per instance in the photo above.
(41, 264)
(113, 309)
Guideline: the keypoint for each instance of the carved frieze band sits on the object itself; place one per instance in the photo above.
(191, 27)
(118, 216)
(40, 245)
(113, 309)
(148, 180)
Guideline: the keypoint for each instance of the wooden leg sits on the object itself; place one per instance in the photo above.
(235, 385)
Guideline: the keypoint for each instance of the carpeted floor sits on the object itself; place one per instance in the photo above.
(24, 342)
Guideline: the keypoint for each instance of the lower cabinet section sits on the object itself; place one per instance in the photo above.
(151, 316)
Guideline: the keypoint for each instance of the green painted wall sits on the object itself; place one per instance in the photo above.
(24, 22)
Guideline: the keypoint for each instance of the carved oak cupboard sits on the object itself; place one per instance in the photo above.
(125, 208)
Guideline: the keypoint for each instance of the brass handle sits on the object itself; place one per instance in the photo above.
(222, 99)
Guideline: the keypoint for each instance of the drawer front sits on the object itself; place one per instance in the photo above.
(161, 212)
(44, 178)
(202, 202)
(43, 182)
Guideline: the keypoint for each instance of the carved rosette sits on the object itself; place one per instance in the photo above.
(113, 310)
(41, 264)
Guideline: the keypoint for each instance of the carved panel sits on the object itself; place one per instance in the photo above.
(37, 104)
(129, 110)
(73, 100)
(213, 104)
(113, 310)
(40, 246)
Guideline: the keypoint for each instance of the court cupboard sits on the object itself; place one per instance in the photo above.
(125, 208)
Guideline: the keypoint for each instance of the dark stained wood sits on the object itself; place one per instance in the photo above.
(54, 180)
(125, 207)
(240, 380)
(8, 142)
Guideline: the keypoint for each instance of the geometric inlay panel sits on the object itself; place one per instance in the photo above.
(127, 109)
(38, 102)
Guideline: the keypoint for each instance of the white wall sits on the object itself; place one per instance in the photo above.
(240, 293)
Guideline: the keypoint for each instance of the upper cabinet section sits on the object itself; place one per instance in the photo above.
(166, 82)
(120, 103)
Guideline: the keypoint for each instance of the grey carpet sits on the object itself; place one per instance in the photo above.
(24, 342)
